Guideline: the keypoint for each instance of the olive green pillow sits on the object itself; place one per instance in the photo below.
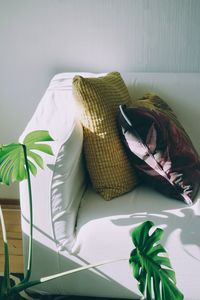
(97, 101)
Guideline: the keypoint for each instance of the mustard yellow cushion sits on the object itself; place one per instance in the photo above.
(98, 100)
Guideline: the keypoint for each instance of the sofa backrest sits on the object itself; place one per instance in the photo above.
(180, 91)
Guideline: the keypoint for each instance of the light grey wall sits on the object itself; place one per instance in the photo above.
(39, 38)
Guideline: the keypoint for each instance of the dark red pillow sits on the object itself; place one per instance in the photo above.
(159, 148)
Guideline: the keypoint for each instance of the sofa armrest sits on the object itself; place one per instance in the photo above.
(58, 188)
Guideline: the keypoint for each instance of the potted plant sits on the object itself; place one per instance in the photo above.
(150, 267)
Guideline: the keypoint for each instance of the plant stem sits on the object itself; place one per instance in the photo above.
(23, 286)
(29, 264)
(6, 279)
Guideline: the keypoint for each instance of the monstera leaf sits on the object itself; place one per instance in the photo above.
(151, 266)
(16, 163)
(12, 159)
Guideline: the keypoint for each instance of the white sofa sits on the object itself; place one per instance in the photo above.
(73, 226)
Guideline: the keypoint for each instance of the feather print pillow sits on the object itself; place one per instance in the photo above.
(160, 148)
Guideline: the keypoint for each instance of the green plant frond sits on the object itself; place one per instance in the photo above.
(170, 274)
(32, 142)
(32, 168)
(136, 270)
(11, 166)
(9, 147)
(43, 148)
(140, 234)
(153, 238)
(12, 161)
(19, 170)
(162, 261)
(149, 290)
(37, 136)
(37, 158)
(142, 281)
(151, 267)
(157, 249)
(5, 167)
(16, 163)
(6, 175)
(6, 150)
(156, 287)
(133, 256)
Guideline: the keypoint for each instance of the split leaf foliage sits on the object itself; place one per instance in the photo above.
(12, 160)
(151, 266)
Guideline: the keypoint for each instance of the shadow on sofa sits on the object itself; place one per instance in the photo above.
(82, 283)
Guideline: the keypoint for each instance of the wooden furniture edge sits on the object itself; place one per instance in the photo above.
(9, 203)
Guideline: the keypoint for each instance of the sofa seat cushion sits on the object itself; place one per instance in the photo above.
(112, 222)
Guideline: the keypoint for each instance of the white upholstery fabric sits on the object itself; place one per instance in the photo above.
(179, 90)
(104, 232)
(103, 228)
(65, 194)
(55, 184)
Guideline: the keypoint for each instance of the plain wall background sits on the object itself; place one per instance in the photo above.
(39, 38)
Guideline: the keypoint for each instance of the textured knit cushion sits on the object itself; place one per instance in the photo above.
(160, 148)
(98, 100)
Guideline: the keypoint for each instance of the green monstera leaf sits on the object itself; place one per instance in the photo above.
(12, 160)
(16, 163)
(151, 266)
